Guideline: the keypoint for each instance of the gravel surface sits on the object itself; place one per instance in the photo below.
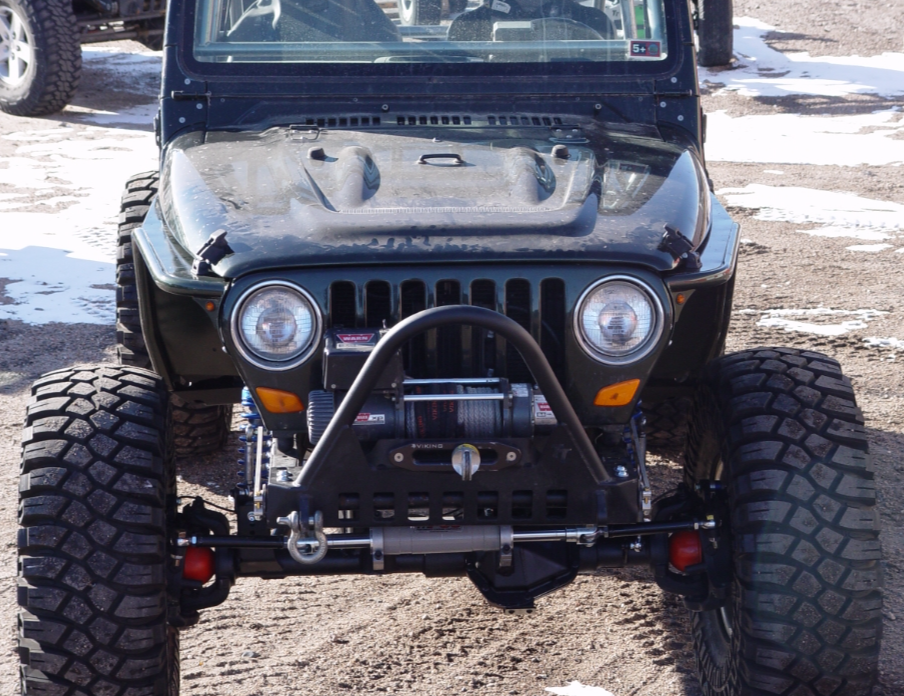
(408, 635)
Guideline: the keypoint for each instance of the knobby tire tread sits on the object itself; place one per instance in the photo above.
(58, 57)
(94, 487)
(808, 587)
(197, 428)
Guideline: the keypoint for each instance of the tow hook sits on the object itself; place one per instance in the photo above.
(316, 547)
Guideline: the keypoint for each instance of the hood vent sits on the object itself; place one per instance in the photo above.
(451, 120)
(524, 120)
(342, 121)
(433, 120)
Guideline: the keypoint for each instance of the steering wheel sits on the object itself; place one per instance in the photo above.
(564, 29)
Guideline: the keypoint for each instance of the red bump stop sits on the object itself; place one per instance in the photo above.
(685, 550)
(198, 564)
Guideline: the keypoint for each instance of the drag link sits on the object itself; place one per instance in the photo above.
(402, 540)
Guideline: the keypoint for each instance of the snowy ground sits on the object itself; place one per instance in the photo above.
(806, 148)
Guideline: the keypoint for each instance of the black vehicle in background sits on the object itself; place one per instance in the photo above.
(712, 20)
(40, 40)
(40, 45)
(460, 278)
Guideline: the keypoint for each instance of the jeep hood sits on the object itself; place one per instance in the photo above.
(301, 197)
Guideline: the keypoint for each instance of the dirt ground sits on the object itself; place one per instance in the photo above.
(407, 635)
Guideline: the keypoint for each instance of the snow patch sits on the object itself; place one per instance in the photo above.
(61, 263)
(840, 214)
(49, 285)
(875, 139)
(876, 342)
(872, 248)
(765, 72)
(788, 319)
(575, 688)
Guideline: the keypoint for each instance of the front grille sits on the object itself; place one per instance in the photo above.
(538, 305)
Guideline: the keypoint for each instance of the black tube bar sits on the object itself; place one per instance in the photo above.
(653, 528)
(432, 318)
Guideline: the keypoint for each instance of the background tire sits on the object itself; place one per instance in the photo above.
(457, 6)
(153, 42)
(781, 427)
(714, 32)
(420, 12)
(42, 75)
(97, 486)
(197, 428)
(666, 425)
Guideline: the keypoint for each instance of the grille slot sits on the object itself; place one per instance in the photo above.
(552, 323)
(448, 338)
(342, 305)
(377, 303)
(414, 300)
(517, 307)
(483, 343)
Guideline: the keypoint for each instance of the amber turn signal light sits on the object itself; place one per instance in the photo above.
(620, 394)
(279, 401)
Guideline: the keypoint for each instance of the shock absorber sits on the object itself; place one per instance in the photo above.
(256, 450)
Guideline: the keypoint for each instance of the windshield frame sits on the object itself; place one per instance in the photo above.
(394, 76)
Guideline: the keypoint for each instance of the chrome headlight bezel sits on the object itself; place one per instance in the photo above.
(644, 348)
(276, 365)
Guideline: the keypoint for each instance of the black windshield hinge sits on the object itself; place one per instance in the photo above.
(211, 253)
(680, 248)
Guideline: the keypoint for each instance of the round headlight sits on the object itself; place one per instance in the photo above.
(278, 323)
(618, 320)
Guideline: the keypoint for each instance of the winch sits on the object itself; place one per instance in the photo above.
(476, 408)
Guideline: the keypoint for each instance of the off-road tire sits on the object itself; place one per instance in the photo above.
(666, 425)
(805, 610)
(52, 77)
(198, 428)
(153, 42)
(714, 32)
(139, 193)
(457, 6)
(96, 488)
(420, 12)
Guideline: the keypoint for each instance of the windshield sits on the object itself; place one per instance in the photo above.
(429, 31)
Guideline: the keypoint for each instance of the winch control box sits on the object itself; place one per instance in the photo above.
(346, 351)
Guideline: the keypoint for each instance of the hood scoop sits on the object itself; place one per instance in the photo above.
(431, 178)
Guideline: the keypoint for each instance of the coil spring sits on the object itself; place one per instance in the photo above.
(253, 421)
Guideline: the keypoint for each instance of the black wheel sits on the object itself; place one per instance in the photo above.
(457, 6)
(420, 12)
(666, 424)
(96, 491)
(40, 56)
(198, 428)
(151, 35)
(782, 429)
(714, 32)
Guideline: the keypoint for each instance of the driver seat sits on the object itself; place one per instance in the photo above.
(477, 24)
